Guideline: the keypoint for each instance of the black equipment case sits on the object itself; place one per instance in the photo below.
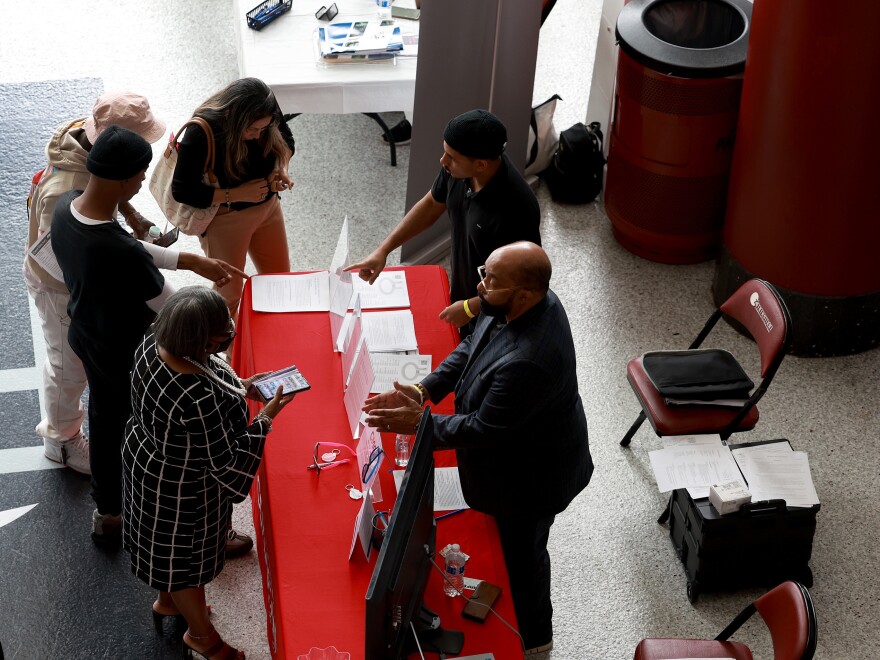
(764, 543)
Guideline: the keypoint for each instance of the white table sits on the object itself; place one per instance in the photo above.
(284, 56)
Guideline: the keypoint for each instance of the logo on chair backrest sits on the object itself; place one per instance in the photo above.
(756, 303)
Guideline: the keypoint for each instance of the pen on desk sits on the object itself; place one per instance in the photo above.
(446, 515)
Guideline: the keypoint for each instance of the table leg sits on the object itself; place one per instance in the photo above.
(376, 118)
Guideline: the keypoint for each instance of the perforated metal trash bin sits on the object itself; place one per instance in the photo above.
(675, 113)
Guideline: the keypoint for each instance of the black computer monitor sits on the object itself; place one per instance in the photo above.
(394, 597)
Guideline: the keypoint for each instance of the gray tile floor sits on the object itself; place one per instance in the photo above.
(616, 576)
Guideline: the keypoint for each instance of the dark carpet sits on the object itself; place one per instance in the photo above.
(60, 595)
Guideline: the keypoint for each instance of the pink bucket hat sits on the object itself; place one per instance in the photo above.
(125, 109)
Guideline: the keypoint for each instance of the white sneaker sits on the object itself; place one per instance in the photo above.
(106, 528)
(72, 453)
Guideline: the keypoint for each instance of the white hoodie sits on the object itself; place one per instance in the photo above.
(66, 170)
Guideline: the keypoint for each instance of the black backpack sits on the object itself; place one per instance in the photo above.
(575, 175)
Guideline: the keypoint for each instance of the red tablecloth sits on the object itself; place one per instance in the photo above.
(314, 595)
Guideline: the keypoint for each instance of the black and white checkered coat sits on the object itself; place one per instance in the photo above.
(189, 454)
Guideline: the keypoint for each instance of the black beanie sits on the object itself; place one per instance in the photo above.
(119, 154)
(476, 134)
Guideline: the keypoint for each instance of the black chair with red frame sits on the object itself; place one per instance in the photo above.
(755, 307)
(788, 612)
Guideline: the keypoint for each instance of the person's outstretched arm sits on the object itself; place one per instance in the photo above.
(421, 216)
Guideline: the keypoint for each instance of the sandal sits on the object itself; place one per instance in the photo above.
(219, 650)
(161, 612)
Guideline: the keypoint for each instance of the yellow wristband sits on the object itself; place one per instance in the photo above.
(467, 310)
(420, 393)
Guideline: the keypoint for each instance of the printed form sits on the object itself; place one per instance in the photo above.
(447, 488)
(693, 466)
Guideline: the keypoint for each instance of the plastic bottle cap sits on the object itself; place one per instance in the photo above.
(456, 547)
(154, 232)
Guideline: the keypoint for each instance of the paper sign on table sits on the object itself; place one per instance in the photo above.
(358, 387)
(405, 369)
(389, 290)
(363, 527)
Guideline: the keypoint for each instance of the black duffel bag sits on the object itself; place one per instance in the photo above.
(575, 175)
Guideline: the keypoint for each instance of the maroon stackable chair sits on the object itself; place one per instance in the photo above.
(760, 311)
(788, 612)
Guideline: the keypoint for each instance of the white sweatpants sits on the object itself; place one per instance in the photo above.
(64, 378)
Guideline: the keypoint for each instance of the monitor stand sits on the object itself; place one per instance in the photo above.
(433, 638)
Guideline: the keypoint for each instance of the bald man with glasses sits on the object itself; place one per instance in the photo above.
(516, 397)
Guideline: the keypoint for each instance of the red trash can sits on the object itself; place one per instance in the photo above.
(802, 206)
(674, 123)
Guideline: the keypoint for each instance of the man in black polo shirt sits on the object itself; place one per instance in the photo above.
(489, 205)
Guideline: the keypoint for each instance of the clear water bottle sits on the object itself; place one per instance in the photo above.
(455, 562)
(383, 8)
(401, 450)
(153, 234)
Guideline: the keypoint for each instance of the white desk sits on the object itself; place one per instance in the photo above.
(283, 55)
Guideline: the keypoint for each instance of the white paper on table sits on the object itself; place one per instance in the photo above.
(389, 290)
(387, 332)
(363, 527)
(447, 488)
(41, 252)
(692, 466)
(681, 440)
(405, 369)
(358, 387)
(291, 293)
(778, 473)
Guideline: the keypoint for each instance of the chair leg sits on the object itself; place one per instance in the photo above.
(632, 430)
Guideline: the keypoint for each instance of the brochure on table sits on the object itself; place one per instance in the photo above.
(340, 286)
(363, 37)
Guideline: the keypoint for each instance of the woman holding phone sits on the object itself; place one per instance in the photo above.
(190, 452)
(252, 149)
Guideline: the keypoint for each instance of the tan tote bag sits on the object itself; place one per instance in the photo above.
(189, 219)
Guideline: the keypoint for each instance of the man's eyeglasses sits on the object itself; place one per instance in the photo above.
(328, 459)
(327, 13)
(372, 465)
(481, 272)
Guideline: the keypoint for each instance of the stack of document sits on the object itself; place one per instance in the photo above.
(359, 40)
(695, 463)
(389, 332)
(775, 472)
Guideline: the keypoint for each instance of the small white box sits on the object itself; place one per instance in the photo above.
(729, 497)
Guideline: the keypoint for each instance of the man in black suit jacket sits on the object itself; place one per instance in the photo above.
(519, 429)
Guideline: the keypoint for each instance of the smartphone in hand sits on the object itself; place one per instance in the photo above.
(168, 238)
(290, 379)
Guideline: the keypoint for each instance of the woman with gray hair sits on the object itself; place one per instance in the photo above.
(189, 454)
